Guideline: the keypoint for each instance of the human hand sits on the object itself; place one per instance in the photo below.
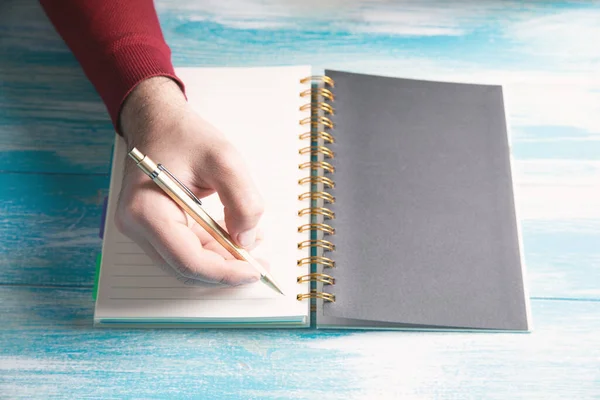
(157, 120)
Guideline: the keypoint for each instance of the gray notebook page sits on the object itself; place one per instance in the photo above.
(426, 231)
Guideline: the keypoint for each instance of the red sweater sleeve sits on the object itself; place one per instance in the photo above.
(118, 43)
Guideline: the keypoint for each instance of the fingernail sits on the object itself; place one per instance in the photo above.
(247, 239)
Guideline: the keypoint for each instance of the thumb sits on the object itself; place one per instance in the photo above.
(239, 195)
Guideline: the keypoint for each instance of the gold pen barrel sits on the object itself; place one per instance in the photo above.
(186, 202)
(146, 164)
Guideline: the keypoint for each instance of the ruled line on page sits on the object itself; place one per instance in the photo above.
(184, 298)
(134, 265)
(170, 287)
(162, 298)
(155, 298)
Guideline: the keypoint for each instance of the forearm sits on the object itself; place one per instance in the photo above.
(118, 43)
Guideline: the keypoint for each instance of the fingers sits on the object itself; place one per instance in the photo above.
(243, 204)
(156, 258)
(160, 262)
(160, 227)
(181, 249)
(210, 243)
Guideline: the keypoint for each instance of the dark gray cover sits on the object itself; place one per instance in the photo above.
(426, 231)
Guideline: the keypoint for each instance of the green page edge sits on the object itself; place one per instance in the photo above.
(97, 276)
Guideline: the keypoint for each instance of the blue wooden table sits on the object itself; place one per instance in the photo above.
(55, 140)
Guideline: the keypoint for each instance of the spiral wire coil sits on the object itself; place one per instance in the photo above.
(319, 135)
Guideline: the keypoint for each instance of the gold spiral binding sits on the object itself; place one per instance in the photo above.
(321, 78)
(325, 212)
(320, 122)
(313, 180)
(318, 92)
(316, 295)
(317, 121)
(324, 278)
(316, 150)
(316, 227)
(317, 195)
(318, 165)
(325, 261)
(318, 106)
(327, 137)
(324, 244)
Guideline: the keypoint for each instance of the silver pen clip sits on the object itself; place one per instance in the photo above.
(181, 185)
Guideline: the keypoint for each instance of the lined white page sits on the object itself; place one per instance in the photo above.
(258, 110)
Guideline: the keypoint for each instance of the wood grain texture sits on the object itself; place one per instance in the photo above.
(51, 119)
(46, 102)
(49, 228)
(48, 346)
(55, 140)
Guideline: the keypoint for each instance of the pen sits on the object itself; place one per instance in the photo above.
(192, 205)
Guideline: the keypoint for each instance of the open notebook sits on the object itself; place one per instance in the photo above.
(389, 205)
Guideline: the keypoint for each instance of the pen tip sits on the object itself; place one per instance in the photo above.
(271, 283)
